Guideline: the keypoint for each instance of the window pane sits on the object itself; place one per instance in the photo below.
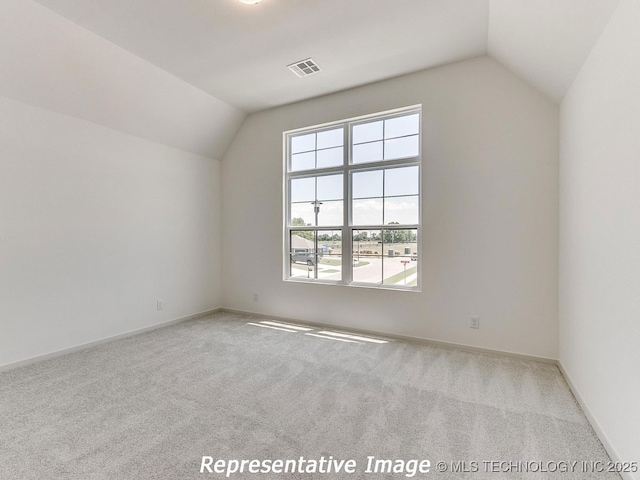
(367, 152)
(330, 187)
(402, 126)
(367, 259)
(367, 132)
(303, 189)
(400, 257)
(302, 214)
(303, 161)
(401, 147)
(402, 210)
(330, 255)
(331, 214)
(331, 138)
(333, 157)
(302, 255)
(401, 181)
(367, 184)
(303, 143)
(367, 212)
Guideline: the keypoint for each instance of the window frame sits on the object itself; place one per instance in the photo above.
(347, 229)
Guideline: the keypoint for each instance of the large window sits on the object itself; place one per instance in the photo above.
(352, 202)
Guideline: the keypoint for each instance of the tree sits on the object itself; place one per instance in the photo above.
(304, 234)
(299, 222)
(397, 236)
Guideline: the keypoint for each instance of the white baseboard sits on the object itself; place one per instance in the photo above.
(423, 341)
(606, 443)
(84, 346)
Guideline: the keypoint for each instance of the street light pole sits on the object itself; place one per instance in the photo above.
(316, 209)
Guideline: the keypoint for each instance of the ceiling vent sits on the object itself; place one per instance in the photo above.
(304, 68)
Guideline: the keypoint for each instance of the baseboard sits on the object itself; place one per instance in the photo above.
(84, 346)
(405, 338)
(606, 443)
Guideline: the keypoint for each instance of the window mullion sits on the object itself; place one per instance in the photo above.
(384, 213)
(384, 145)
(287, 209)
(346, 214)
(376, 165)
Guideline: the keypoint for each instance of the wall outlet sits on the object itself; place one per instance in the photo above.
(475, 322)
(159, 305)
(256, 297)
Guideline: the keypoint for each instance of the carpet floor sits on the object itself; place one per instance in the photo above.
(152, 405)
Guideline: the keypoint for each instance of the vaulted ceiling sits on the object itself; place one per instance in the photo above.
(186, 72)
(238, 52)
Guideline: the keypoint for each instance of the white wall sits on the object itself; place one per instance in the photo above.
(108, 210)
(600, 233)
(490, 213)
(95, 226)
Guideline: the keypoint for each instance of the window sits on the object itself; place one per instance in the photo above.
(352, 202)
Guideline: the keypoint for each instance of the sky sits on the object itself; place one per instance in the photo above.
(380, 195)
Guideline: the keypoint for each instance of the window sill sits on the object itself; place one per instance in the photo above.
(395, 288)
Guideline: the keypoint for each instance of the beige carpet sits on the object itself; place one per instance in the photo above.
(151, 406)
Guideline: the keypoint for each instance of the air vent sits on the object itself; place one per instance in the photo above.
(304, 68)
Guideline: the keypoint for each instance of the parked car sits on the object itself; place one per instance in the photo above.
(414, 256)
(303, 257)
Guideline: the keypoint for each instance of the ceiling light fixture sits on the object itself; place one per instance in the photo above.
(251, 2)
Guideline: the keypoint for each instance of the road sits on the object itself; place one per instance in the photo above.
(370, 270)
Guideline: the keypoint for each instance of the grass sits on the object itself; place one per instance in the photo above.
(334, 262)
(393, 279)
(300, 266)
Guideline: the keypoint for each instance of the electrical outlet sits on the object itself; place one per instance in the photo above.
(256, 297)
(159, 305)
(475, 322)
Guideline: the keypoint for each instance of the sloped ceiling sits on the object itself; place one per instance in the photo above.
(185, 72)
(546, 41)
(49, 62)
(238, 52)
